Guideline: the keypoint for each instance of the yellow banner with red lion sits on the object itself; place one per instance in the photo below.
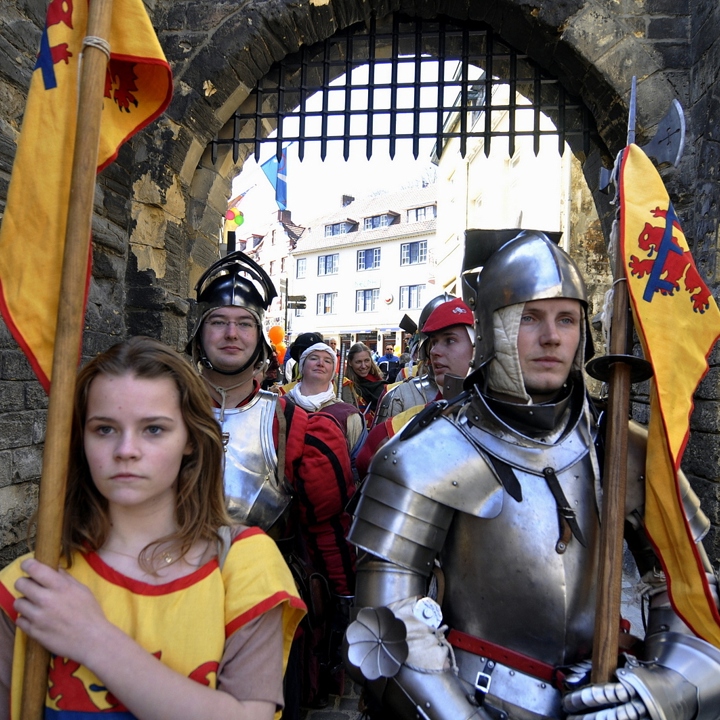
(138, 88)
(678, 322)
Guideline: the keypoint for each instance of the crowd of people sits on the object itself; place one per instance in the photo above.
(234, 547)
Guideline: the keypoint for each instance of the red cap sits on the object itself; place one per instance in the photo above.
(453, 312)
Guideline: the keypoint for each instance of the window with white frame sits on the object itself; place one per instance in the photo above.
(377, 221)
(413, 253)
(340, 228)
(427, 212)
(301, 267)
(272, 267)
(326, 303)
(365, 300)
(411, 296)
(328, 264)
(368, 259)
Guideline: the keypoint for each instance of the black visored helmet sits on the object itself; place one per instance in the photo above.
(303, 342)
(233, 281)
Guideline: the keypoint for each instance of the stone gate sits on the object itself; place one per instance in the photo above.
(158, 208)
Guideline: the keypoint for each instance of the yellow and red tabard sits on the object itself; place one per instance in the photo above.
(184, 622)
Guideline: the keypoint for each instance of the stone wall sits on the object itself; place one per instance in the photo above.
(159, 206)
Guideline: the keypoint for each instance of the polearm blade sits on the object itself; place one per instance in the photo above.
(665, 147)
(632, 111)
(68, 335)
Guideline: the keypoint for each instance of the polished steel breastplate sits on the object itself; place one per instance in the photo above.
(505, 580)
(254, 494)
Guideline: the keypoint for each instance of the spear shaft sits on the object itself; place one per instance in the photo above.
(68, 334)
(609, 588)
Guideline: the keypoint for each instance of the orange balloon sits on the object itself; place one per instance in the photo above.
(280, 350)
(276, 334)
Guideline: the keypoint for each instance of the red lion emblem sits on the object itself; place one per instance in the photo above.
(678, 265)
(121, 76)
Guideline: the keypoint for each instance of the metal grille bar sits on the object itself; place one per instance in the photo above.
(407, 80)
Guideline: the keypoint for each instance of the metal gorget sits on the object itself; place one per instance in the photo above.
(487, 431)
(254, 494)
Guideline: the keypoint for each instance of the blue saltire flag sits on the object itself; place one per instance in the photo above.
(276, 173)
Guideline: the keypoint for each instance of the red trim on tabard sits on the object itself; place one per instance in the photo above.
(7, 601)
(140, 588)
(503, 655)
(262, 607)
(249, 532)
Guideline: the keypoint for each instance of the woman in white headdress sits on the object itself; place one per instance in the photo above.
(315, 393)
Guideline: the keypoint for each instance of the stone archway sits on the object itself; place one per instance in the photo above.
(178, 191)
(158, 208)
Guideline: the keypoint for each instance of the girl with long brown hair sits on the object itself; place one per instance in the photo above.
(160, 603)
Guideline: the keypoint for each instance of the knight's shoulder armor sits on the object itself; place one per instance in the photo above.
(404, 395)
(459, 474)
(407, 503)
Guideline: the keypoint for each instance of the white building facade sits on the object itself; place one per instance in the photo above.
(366, 266)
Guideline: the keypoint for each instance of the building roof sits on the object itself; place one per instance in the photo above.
(397, 203)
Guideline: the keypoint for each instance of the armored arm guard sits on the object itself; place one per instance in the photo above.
(402, 520)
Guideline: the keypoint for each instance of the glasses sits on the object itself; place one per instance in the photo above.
(243, 326)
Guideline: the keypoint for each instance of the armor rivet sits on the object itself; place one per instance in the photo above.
(384, 457)
(530, 412)
(491, 665)
(561, 546)
(475, 417)
(427, 704)
(394, 452)
(543, 685)
(454, 483)
(394, 462)
(621, 672)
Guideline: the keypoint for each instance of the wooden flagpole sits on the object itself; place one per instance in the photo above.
(609, 588)
(69, 332)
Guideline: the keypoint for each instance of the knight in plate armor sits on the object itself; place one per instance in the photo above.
(477, 533)
(421, 388)
(448, 346)
(286, 471)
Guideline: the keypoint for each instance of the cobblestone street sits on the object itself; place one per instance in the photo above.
(339, 708)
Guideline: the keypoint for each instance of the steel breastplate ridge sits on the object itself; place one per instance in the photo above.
(521, 593)
(254, 494)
